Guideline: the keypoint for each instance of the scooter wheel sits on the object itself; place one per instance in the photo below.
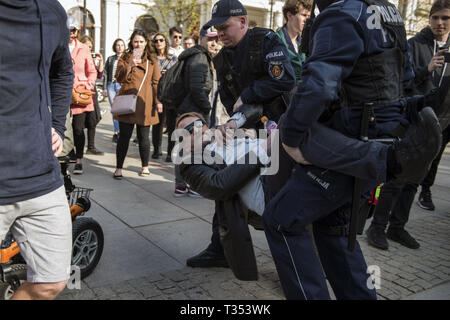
(87, 245)
(14, 279)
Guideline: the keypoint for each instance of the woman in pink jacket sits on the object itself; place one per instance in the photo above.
(85, 75)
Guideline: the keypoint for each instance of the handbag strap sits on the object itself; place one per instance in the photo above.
(142, 83)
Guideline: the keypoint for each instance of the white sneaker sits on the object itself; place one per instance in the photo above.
(180, 191)
(193, 194)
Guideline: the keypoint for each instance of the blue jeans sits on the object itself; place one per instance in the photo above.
(113, 89)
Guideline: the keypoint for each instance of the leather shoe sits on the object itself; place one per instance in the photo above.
(403, 237)
(207, 259)
(94, 151)
(156, 154)
(420, 146)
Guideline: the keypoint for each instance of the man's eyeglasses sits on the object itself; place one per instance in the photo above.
(158, 40)
(177, 37)
(196, 124)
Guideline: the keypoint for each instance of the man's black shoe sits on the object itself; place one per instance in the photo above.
(94, 151)
(425, 201)
(403, 237)
(72, 157)
(168, 158)
(377, 238)
(420, 146)
(78, 169)
(207, 259)
(156, 154)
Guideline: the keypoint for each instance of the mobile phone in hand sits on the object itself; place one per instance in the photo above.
(447, 57)
(137, 53)
(93, 55)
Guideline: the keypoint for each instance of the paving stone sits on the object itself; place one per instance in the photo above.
(131, 296)
(425, 276)
(197, 293)
(104, 292)
(150, 291)
(187, 284)
(229, 285)
(175, 276)
(136, 283)
(407, 276)
(85, 294)
(122, 287)
(154, 278)
(165, 284)
(178, 296)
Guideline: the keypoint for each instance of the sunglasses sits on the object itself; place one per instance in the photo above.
(177, 37)
(197, 124)
(158, 40)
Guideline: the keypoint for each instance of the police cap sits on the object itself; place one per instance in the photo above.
(223, 10)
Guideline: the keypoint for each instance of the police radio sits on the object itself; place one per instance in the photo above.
(304, 45)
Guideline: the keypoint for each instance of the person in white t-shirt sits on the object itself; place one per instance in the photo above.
(176, 37)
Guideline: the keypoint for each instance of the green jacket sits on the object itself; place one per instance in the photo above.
(297, 60)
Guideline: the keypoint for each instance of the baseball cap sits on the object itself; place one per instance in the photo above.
(73, 24)
(208, 33)
(223, 10)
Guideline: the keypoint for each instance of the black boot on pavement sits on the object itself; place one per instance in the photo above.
(425, 201)
(403, 237)
(95, 151)
(376, 237)
(156, 154)
(422, 142)
(207, 259)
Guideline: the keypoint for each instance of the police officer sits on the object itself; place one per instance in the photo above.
(254, 65)
(358, 56)
(253, 70)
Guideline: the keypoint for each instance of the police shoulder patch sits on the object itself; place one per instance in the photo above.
(276, 69)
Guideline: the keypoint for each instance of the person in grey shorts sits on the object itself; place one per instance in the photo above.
(35, 85)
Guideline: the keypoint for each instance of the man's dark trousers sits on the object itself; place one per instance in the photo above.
(396, 196)
(394, 205)
(318, 196)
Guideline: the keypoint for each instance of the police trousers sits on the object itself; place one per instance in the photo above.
(322, 198)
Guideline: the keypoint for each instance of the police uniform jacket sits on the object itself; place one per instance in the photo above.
(341, 35)
(272, 77)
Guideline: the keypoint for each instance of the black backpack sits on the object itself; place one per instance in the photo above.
(171, 85)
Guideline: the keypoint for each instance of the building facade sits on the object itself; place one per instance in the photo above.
(107, 20)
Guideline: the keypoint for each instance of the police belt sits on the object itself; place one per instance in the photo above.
(336, 231)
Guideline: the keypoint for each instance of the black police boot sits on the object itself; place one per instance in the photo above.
(420, 146)
(425, 200)
(207, 259)
(403, 237)
(377, 238)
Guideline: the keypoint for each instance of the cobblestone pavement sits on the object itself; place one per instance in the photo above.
(403, 271)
